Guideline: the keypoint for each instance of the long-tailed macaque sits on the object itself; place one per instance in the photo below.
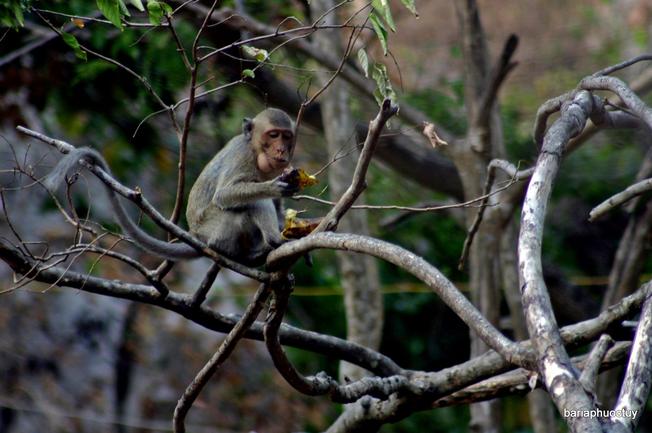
(231, 205)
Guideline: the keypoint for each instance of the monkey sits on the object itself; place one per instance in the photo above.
(233, 204)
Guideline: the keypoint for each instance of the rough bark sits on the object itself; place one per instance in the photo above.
(558, 373)
(541, 411)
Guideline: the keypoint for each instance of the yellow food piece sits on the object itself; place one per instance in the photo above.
(295, 228)
(305, 179)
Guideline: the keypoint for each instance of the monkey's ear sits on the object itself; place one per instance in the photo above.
(247, 127)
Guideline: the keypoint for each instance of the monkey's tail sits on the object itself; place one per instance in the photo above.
(143, 240)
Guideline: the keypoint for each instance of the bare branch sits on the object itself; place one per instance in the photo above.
(322, 384)
(223, 352)
(622, 197)
(638, 377)
(358, 183)
(589, 375)
(546, 109)
(556, 368)
(516, 176)
(516, 382)
(205, 286)
(620, 88)
(500, 71)
(641, 85)
(611, 69)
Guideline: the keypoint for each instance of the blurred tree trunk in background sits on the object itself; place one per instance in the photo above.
(491, 266)
(359, 274)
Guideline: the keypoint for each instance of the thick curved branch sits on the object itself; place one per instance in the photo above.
(417, 267)
(641, 85)
(560, 377)
(638, 378)
(626, 94)
(321, 383)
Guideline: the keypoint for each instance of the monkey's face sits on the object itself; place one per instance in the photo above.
(276, 150)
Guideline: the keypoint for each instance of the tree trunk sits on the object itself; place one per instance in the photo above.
(359, 274)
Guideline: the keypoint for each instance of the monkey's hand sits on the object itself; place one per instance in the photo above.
(284, 188)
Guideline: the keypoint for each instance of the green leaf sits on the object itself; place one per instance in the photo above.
(18, 15)
(384, 86)
(155, 12)
(111, 10)
(138, 4)
(364, 61)
(74, 44)
(380, 30)
(255, 53)
(167, 8)
(411, 7)
(248, 73)
(11, 13)
(123, 8)
(383, 9)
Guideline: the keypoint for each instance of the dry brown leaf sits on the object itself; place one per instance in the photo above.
(429, 131)
(78, 22)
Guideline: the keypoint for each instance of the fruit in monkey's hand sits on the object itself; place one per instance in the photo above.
(298, 178)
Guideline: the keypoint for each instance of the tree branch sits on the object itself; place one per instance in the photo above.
(616, 200)
(417, 267)
(223, 352)
(638, 377)
(358, 183)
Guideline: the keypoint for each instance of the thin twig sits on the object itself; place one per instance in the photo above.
(516, 176)
(622, 65)
(622, 197)
(200, 294)
(125, 68)
(358, 183)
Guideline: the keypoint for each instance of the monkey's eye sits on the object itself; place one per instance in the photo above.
(288, 135)
(273, 134)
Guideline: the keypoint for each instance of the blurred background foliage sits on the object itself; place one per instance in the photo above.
(93, 103)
